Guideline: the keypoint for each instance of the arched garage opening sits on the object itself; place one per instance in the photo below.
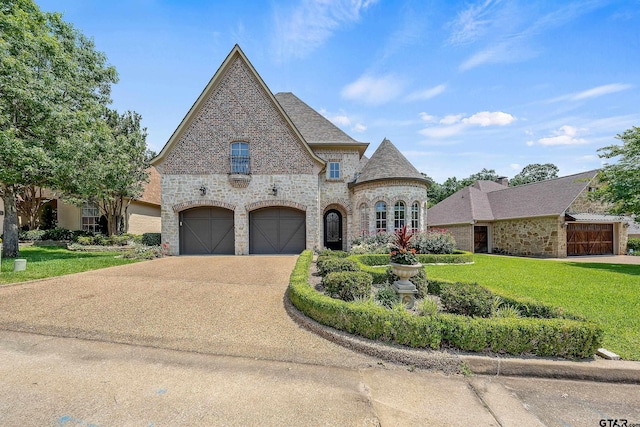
(277, 230)
(207, 231)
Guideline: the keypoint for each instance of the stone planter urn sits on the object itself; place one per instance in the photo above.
(404, 287)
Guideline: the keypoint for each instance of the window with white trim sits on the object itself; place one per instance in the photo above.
(334, 170)
(240, 158)
(399, 215)
(381, 217)
(415, 217)
(91, 217)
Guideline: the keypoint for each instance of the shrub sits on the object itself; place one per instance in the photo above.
(119, 239)
(331, 253)
(469, 299)
(144, 253)
(58, 233)
(377, 243)
(434, 242)
(31, 235)
(420, 280)
(84, 240)
(543, 337)
(328, 264)
(427, 306)
(151, 239)
(347, 285)
(387, 296)
(506, 311)
(634, 244)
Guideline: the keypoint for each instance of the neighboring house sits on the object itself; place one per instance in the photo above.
(250, 172)
(141, 216)
(634, 228)
(552, 218)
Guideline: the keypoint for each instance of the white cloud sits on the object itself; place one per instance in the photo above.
(427, 93)
(427, 117)
(471, 23)
(359, 127)
(515, 166)
(486, 118)
(341, 120)
(443, 131)
(593, 92)
(454, 124)
(450, 119)
(530, 143)
(566, 135)
(373, 90)
(308, 25)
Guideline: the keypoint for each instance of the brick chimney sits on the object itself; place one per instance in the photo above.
(503, 180)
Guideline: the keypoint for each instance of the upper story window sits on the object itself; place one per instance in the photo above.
(240, 158)
(334, 170)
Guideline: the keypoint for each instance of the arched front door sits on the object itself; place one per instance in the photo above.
(333, 230)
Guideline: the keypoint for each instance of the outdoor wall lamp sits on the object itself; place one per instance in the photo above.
(274, 190)
(203, 190)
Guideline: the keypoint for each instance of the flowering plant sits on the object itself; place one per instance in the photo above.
(403, 253)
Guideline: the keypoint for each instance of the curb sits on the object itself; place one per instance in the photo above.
(600, 370)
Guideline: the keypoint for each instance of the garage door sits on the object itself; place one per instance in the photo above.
(206, 231)
(589, 239)
(277, 231)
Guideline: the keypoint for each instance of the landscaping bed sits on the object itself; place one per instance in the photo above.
(552, 333)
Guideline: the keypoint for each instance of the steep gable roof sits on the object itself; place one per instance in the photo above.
(387, 162)
(316, 129)
(236, 53)
(483, 201)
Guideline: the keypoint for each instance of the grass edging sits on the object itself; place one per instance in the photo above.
(543, 337)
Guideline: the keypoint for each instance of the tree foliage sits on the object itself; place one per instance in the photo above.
(533, 173)
(53, 86)
(111, 168)
(438, 192)
(620, 181)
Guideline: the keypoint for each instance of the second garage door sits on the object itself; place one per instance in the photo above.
(277, 231)
(589, 239)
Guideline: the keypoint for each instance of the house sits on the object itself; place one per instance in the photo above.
(553, 218)
(250, 172)
(141, 216)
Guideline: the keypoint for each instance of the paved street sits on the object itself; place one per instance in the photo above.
(207, 341)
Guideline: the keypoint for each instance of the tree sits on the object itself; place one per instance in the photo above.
(533, 173)
(112, 167)
(439, 192)
(31, 201)
(53, 86)
(621, 180)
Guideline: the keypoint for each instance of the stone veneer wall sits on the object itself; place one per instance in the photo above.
(181, 192)
(334, 193)
(582, 204)
(390, 192)
(544, 237)
(462, 233)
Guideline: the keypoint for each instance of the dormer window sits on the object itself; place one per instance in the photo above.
(240, 158)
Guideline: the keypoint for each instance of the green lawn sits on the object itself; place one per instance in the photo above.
(606, 293)
(55, 261)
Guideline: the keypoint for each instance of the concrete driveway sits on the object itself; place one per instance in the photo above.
(207, 341)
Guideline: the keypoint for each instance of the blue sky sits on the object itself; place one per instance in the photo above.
(456, 86)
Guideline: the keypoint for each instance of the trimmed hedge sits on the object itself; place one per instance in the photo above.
(332, 253)
(542, 337)
(330, 264)
(151, 239)
(633, 243)
(347, 285)
(458, 257)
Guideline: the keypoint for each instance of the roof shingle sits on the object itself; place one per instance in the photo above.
(387, 162)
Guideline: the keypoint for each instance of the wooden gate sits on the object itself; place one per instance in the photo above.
(589, 239)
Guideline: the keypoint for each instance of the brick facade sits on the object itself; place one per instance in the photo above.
(237, 107)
